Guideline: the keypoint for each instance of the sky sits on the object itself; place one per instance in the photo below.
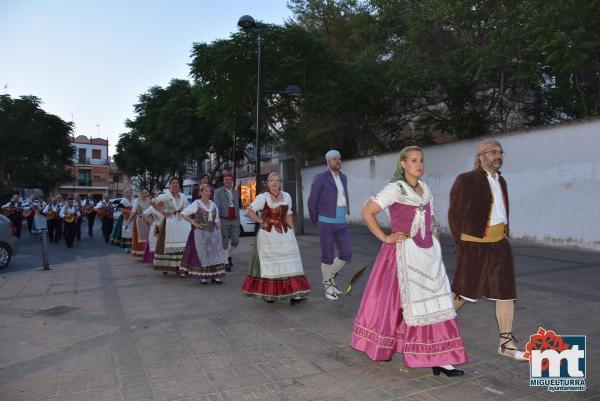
(88, 61)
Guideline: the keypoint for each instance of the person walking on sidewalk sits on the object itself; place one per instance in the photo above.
(328, 205)
(138, 224)
(173, 231)
(121, 235)
(78, 204)
(276, 271)
(13, 210)
(104, 211)
(228, 204)
(478, 219)
(51, 211)
(203, 257)
(69, 214)
(90, 214)
(407, 306)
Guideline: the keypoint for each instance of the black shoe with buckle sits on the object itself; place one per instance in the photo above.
(294, 301)
(448, 372)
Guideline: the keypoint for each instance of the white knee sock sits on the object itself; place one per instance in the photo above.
(447, 367)
(337, 266)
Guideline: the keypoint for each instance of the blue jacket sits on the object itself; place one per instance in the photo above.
(322, 200)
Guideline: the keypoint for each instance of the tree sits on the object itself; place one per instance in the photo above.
(36, 146)
(165, 134)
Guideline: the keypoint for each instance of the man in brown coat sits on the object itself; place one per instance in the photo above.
(478, 218)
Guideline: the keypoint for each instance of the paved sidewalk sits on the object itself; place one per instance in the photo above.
(109, 328)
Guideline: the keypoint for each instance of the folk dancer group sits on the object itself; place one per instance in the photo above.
(59, 218)
(408, 306)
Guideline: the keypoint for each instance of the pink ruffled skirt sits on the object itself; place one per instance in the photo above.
(380, 331)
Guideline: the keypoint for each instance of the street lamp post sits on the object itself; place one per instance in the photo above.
(247, 22)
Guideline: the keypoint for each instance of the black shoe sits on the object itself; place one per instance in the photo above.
(216, 280)
(229, 262)
(295, 301)
(447, 372)
(269, 301)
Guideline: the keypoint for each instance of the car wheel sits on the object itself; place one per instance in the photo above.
(4, 255)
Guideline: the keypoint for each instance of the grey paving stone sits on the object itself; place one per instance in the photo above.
(31, 388)
(237, 377)
(309, 388)
(112, 394)
(255, 393)
(288, 368)
(209, 345)
(222, 359)
(173, 368)
(138, 327)
(183, 388)
(87, 380)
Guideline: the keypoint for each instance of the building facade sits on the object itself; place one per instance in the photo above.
(90, 168)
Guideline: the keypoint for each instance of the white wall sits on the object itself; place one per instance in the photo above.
(553, 176)
(88, 152)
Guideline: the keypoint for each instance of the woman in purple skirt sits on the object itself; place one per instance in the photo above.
(407, 306)
(203, 257)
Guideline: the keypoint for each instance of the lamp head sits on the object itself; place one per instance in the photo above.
(246, 22)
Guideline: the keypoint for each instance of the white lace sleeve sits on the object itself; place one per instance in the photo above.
(258, 204)
(387, 196)
(432, 207)
(191, 209)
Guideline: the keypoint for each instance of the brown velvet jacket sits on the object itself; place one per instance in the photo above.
(471, 204)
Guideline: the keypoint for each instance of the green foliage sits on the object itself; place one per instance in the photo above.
(166, 132)
(376, 75)
(35, 145)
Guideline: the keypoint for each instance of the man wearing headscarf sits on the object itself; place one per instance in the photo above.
(328, 204)
(478, 218)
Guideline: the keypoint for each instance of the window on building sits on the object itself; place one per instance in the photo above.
(96, 154)
(98, 178)
(85, 177)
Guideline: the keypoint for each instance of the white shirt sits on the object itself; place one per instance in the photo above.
(102, 204)
(197, 204)
(498, 210)
(51, 206)
(69, 210)
(229, 196)
(341, 196)
(259, 202)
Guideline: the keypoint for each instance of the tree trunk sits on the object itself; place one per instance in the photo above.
(298, 162)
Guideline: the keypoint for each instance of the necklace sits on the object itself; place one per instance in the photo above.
(273, 195)
(414, 187)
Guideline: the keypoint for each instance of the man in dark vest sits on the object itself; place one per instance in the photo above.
(478, 218)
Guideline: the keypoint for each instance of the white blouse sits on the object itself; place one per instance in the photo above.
(177, 203)
(195, 205)
(259, 202)
(390, 194)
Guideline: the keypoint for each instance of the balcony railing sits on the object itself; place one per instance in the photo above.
(96, 162)
(85, 183)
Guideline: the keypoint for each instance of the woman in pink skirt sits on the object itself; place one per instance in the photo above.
(407, 306)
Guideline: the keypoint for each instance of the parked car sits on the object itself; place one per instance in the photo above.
(8, 241)
(247, 226)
